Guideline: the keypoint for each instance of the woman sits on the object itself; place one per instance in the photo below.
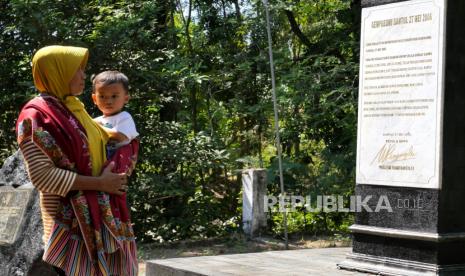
(87, 230)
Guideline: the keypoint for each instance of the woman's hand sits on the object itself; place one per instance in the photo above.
(109, 182)
(113, 183)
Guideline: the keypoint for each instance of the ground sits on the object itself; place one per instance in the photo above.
(233, 245)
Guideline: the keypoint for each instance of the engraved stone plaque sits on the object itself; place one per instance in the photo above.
(400, 94)
(13, 203)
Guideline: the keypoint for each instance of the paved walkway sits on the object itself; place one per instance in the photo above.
(315, 262)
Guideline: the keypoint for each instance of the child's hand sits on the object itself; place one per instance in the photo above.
(132, 166)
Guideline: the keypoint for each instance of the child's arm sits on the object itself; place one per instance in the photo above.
(115, 135)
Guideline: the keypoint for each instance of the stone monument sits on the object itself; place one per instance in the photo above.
(411, 138)
(253, 194)
(21, 245)
(13, 205)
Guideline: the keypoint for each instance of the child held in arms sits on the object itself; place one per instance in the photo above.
(110, 92)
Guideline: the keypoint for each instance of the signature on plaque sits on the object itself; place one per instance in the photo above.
(389, 154)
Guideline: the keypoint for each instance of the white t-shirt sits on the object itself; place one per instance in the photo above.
(121, 122)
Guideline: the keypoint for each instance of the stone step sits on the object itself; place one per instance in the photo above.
(289, 262)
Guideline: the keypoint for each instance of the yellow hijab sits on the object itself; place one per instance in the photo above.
(53, 67)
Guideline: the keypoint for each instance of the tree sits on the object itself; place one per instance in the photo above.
(199, 81)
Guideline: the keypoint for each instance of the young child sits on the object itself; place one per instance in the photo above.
(110, 92)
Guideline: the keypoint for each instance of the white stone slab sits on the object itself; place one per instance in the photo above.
(400, 94)
(316, 262)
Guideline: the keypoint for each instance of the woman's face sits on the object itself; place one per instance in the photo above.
(76, 84)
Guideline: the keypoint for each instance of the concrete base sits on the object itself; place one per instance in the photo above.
(397, 267)
(315, 262)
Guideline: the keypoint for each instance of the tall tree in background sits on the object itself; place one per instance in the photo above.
(201, 99)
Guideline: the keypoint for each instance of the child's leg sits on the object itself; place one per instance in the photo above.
(124, 159)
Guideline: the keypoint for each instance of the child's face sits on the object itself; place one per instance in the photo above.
(110, 99)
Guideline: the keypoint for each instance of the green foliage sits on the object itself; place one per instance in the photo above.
(317, 223)
(200, 88)
(179, 183)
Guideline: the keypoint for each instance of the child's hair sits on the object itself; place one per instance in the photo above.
(110, 77)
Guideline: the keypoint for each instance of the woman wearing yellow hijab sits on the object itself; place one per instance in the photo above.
(85, 233)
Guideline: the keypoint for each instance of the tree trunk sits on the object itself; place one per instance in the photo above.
(193, 96)
(296, 29)
(188, 22)
(238, 11)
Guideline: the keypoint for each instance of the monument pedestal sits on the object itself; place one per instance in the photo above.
(421, 166)
(253, 209)
(406, 241)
